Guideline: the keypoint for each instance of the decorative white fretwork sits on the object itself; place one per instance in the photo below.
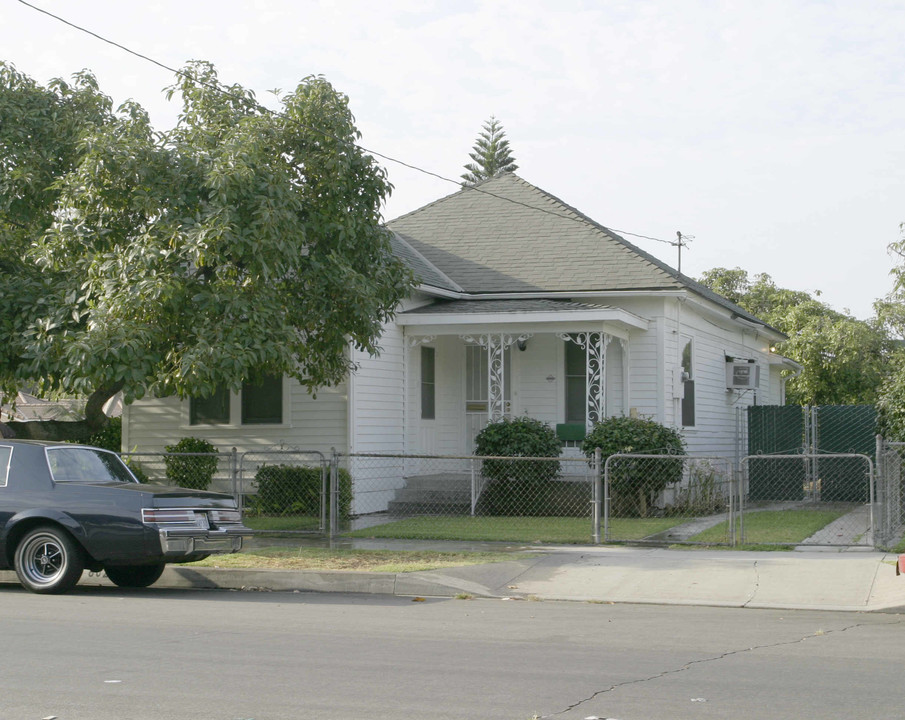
(594, 344)
(496, 345)
(416, 340)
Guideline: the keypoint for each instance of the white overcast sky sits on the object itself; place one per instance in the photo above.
(773, 131)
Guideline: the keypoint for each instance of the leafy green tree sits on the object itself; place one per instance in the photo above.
(491, 155)
(844, 360)
(891, 314)
(238, 244)
(41, 131)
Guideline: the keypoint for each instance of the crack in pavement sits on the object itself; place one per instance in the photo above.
(756, 585)
(715, 658)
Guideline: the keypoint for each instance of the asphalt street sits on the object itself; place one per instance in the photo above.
(102, 653)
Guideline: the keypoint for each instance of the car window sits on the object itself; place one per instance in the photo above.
(6, 452)
(78, 464)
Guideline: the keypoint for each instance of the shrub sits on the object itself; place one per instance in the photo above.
(636, 483)
(295, 490)
(137, 470)
(111, 437)
(191, 471)
(518, 487)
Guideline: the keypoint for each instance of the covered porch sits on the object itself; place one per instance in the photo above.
(471, 362)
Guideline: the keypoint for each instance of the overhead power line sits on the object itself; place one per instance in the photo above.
(263, 109)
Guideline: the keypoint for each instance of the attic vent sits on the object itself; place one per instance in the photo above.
(742, 374)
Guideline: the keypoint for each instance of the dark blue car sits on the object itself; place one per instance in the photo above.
(65, 508)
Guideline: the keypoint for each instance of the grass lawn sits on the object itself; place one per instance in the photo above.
(276, 523)
(780, 527)
(512, 529)
(303, 558)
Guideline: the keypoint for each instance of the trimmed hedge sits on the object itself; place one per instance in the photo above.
(635, 484)
(192, 471)
(295, 490)
(518, 487)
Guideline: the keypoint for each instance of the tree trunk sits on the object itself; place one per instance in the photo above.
(94, 408)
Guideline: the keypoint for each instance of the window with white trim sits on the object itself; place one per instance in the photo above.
(687, 363)
(576, 383)
(428, 383)
(258, 403)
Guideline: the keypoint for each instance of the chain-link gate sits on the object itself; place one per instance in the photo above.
(807, 499)
(287, 491)
(672, 499)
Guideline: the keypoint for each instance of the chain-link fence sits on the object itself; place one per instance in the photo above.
(669, 499)
(807, 499)
(798, 499)
(470, 498)
(889, 505)
(201, 471)
(791, 429)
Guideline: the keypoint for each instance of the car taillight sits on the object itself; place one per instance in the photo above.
(161, 516)
(226, 517)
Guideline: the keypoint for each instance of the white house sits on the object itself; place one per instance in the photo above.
(525, 307)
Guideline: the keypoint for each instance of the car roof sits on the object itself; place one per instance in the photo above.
(41, 443)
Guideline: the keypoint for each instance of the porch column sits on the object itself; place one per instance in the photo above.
(594, 345)
(495, 344)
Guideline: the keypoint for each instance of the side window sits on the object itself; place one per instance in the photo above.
(6, 454)
(428, 383)
(262, 402)
(212, 410)
(687, 362)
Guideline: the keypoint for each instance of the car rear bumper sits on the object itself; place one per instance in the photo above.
(177, 544)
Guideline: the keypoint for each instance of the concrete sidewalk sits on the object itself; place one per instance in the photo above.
(808, 578)
(862, 581)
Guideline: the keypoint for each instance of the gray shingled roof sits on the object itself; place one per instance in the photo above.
(424, 271)
(506, 235)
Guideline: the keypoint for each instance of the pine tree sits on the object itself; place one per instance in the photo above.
(491, 154)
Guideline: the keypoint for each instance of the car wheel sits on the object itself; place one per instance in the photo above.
(134, 576)
(48, 560)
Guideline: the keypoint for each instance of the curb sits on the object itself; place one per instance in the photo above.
(431, 583)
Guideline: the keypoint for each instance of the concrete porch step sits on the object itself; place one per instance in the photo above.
(410, 494)
(396, 508)
(437, 494)
(458, 482)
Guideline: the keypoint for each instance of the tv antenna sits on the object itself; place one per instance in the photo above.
(681, 241)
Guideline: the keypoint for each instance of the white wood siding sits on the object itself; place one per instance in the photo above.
(716, 408)
(311, 424)
(378, 397)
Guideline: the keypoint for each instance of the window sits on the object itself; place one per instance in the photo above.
(428, 383)
(6, 454)
(262, 402)
(477, 380)
(212, 410)
(86, 465)
(576, 383)
(687, 363)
